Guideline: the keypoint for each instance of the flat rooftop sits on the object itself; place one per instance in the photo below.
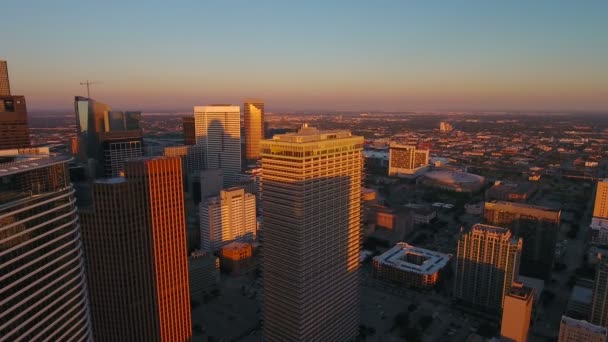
(396, 257)
(521, 206)
(310, 134)
(584, 325)
(22, 160)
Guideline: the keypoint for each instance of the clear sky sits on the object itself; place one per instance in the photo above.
(310, 55)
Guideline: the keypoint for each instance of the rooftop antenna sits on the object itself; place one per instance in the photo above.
(88, 83)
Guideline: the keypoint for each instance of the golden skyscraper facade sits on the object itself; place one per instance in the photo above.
(253, 115)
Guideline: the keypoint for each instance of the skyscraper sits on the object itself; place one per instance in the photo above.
(517, 312)
(14, 131)
(230, 216)
(574, 330)
(311, 186)
(218, 130)
(406, 159)
(42, 276)
(537, 226)
(487, 264)
(253, 113)
(106, 138)
(5, 85)
(188, 127)
(599, 303)
(192, 157)
(599, 222)
(135, 247)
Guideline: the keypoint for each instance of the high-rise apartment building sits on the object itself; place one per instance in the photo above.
(574, 330)
(135, 247)
(14, 131)
(253, 115)
(228, 217)
(311, 185)
(106, 138)
(218, 130)
(487, 265)
(599, 222)
(5, 85)
(517, 313)
(406, 159)
(43, 286)
(537, 226)
(189, 132)
(599, 303)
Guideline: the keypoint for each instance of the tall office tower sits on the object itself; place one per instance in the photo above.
(574, 330)
(5, 85)
(42, 275)
(311, 184)
(486, 266)
(599, 303)
(192, 157)
(14, 131)
(537, 226)
(188, 127)
(227, 218)
(106, 138)
(218, 129)
(406, 159)
(135, 246)
(517, 313)
(253, 113)
(599, 222)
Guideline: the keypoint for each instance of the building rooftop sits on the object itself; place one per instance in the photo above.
(431, 261)
(582, 294)
(113, 180)
(20, 160)
(521, 291)
(584, 325)
(310, 134)
(522, 206)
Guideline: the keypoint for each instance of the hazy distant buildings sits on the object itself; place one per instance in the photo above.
(229, 217)
(106, 138)
(253, 114)
(410, 266)
(517, 313)
(573, 330)
(445, 127)
(406, 160)
(135, 245)
(42, 276)
(537, 226)
(311, 183)
(599, 222)
(218, 130)
(599, 304)
(487, 265)
(5, 85)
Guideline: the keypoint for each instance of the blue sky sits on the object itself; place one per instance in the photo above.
(310, 55)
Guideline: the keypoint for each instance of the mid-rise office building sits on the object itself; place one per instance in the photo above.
(106, 138)
(537, 226)
(406, 160)
(42, 274)
(204, 273)
(574, 330)
(599, 303)
(226, 218)
(599, 222)
(517, 313)
(410, 266)
(253, 115)
(487, 265)
(218, 130)
(311, 195)
(189, 131)
(135, 247)
(14, 131)
(192, 158)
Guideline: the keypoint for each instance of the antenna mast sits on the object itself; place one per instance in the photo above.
(88, 83)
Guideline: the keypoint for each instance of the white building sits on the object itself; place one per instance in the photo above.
(226, 218)
(218, 129)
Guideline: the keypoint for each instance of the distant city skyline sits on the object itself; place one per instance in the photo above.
(394, 56)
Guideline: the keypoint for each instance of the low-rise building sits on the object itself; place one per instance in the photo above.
(236, 257)
(573, 330)
(204, 271)
(410, 266)
(516, 313)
